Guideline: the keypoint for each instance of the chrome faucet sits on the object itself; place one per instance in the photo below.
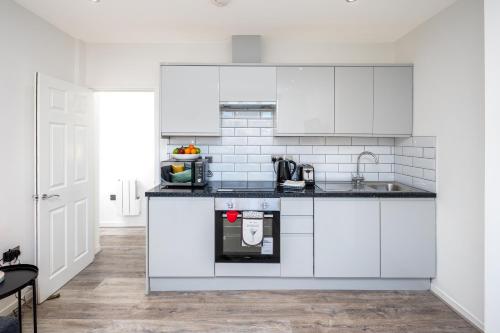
(358, 179)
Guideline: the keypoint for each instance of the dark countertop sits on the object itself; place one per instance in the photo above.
(268, 190)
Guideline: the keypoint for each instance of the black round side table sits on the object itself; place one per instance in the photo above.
(18, 277)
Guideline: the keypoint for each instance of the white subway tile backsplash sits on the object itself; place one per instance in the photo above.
(266, 132)
(364, 141)
(379, 150)
(269, 167)
(273, 150)
(350, 150)
(245, 150)
(227, 131)
(234, 158)
(430, 153)
(403, 160)
(221, 167)
(286, 140)
(208, 140)
(235, 140)
(350, 167)
(326, 167)
(338, 177)
(234, 122)
(247, 167)
(260, 140)
(424, 141)
(260, 176)
(326, 150)
(247, 131)
(311, 159)
(259, 158)
(227, 114)
(425, 163)
(338, 158)
(228, 176)
(260, 123)
(247, 142)
(221, 150)
(312, 140)
(338, 141)
(299, 150)
(247, 114)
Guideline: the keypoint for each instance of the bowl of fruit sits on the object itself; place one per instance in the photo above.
(186, 153)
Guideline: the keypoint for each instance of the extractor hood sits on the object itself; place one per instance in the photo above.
(248, 105)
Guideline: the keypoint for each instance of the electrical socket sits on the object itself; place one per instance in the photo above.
(11, 254)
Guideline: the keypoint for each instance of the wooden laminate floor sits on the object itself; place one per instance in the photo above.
(108, 297)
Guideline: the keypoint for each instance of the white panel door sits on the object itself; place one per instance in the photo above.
(305, 101)
(181, 237)
(190, 100)
(247, 83)
(353, 100)
(393, 110)
(408, 238)
(64, 181)
(346, 238)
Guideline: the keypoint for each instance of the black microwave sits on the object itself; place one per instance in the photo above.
(194, 173)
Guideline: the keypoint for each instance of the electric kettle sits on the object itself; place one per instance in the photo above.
(283, 171)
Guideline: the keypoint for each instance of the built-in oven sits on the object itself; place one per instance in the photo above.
(247, 230)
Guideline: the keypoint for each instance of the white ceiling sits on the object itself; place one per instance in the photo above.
(157, 21)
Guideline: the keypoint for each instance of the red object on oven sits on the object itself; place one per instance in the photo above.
(232, 216)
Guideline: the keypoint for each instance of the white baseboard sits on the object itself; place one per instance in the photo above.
(120, 224)
(11, 302)
(455, 306)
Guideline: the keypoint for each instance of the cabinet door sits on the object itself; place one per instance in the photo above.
(296, 255)
(393, 111)
(305, 100)
(408, 238)
(346, 238)
(353, 100)
(247, 84)
(181, 237)
(190, 100)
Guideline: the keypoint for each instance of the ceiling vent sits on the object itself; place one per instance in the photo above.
(246, 49)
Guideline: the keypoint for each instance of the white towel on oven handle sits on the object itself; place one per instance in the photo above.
(252, 228)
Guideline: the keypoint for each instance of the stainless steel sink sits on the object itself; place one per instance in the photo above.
(388, 187)
(366, 187)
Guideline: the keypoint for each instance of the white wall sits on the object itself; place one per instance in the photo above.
(28, 44)
(126, 150)
(136, 66)
(449, 103)
(492, 164)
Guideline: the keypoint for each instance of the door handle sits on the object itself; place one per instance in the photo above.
(48, 196)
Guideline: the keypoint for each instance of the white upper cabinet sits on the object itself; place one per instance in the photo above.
(190, 100)
(393, 110)
(353, 100)
(247, 84)
(305, 101)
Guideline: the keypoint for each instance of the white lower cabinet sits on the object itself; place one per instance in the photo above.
(408, 238)
(296, 255)
(346, 238)
(181, 237)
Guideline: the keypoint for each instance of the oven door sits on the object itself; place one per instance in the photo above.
(230, 248)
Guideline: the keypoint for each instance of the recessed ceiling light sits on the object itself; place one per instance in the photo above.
(350, 1)
(95, 1)
(221, 3)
